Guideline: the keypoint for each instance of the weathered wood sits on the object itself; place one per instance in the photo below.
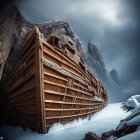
(39, 86)
(54, 87)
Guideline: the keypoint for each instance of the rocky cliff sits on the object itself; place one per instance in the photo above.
(13, 28)
(96, 63)
(114, 75)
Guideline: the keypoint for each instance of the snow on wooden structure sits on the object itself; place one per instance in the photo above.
(49, 83)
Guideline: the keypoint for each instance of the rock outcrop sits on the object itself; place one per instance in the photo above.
(96, 63)
(114, 75)
(13, 28)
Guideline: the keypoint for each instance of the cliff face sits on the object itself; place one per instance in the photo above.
(96, 63)
(13, 28)
(114, 75)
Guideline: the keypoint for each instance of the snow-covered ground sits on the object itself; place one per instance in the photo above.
(102, 121)
(132, 120)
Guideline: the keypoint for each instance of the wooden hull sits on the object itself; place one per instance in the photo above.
(46, 86)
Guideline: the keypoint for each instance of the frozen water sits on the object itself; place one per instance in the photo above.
(105, 120)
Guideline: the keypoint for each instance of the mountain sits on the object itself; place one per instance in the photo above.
(14, 27)
(96, 63)
(114, 75)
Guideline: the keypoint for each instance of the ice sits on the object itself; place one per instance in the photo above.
(131, 120)
(105, 120)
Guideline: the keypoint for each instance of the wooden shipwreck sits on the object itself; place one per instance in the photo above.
(49, 84)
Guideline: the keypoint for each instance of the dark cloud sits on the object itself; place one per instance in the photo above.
(113, 25)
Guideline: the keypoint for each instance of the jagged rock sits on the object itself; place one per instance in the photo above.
(64, 30)
(96, 63)
(13, 28)
(114, 75)
(91, 136)
(108, 134)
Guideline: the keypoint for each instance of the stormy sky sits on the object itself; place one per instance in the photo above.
(114, 26)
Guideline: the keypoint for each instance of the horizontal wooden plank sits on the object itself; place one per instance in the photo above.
(79, 85)
(53, 83)
(70, 109)
(59, 85)
(49, 74)
(67, 95)
(68, 69)
(58, 117)
(78, 72)
(65, 57)
(70, 103)
(60, 70)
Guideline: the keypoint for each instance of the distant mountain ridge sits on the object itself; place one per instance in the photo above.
(13, 28)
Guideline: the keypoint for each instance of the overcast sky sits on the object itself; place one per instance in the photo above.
(114, 26)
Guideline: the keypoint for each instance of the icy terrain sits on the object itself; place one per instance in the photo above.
(102, 121)
(132, 120)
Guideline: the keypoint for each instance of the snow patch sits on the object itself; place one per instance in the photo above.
(133, 102)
